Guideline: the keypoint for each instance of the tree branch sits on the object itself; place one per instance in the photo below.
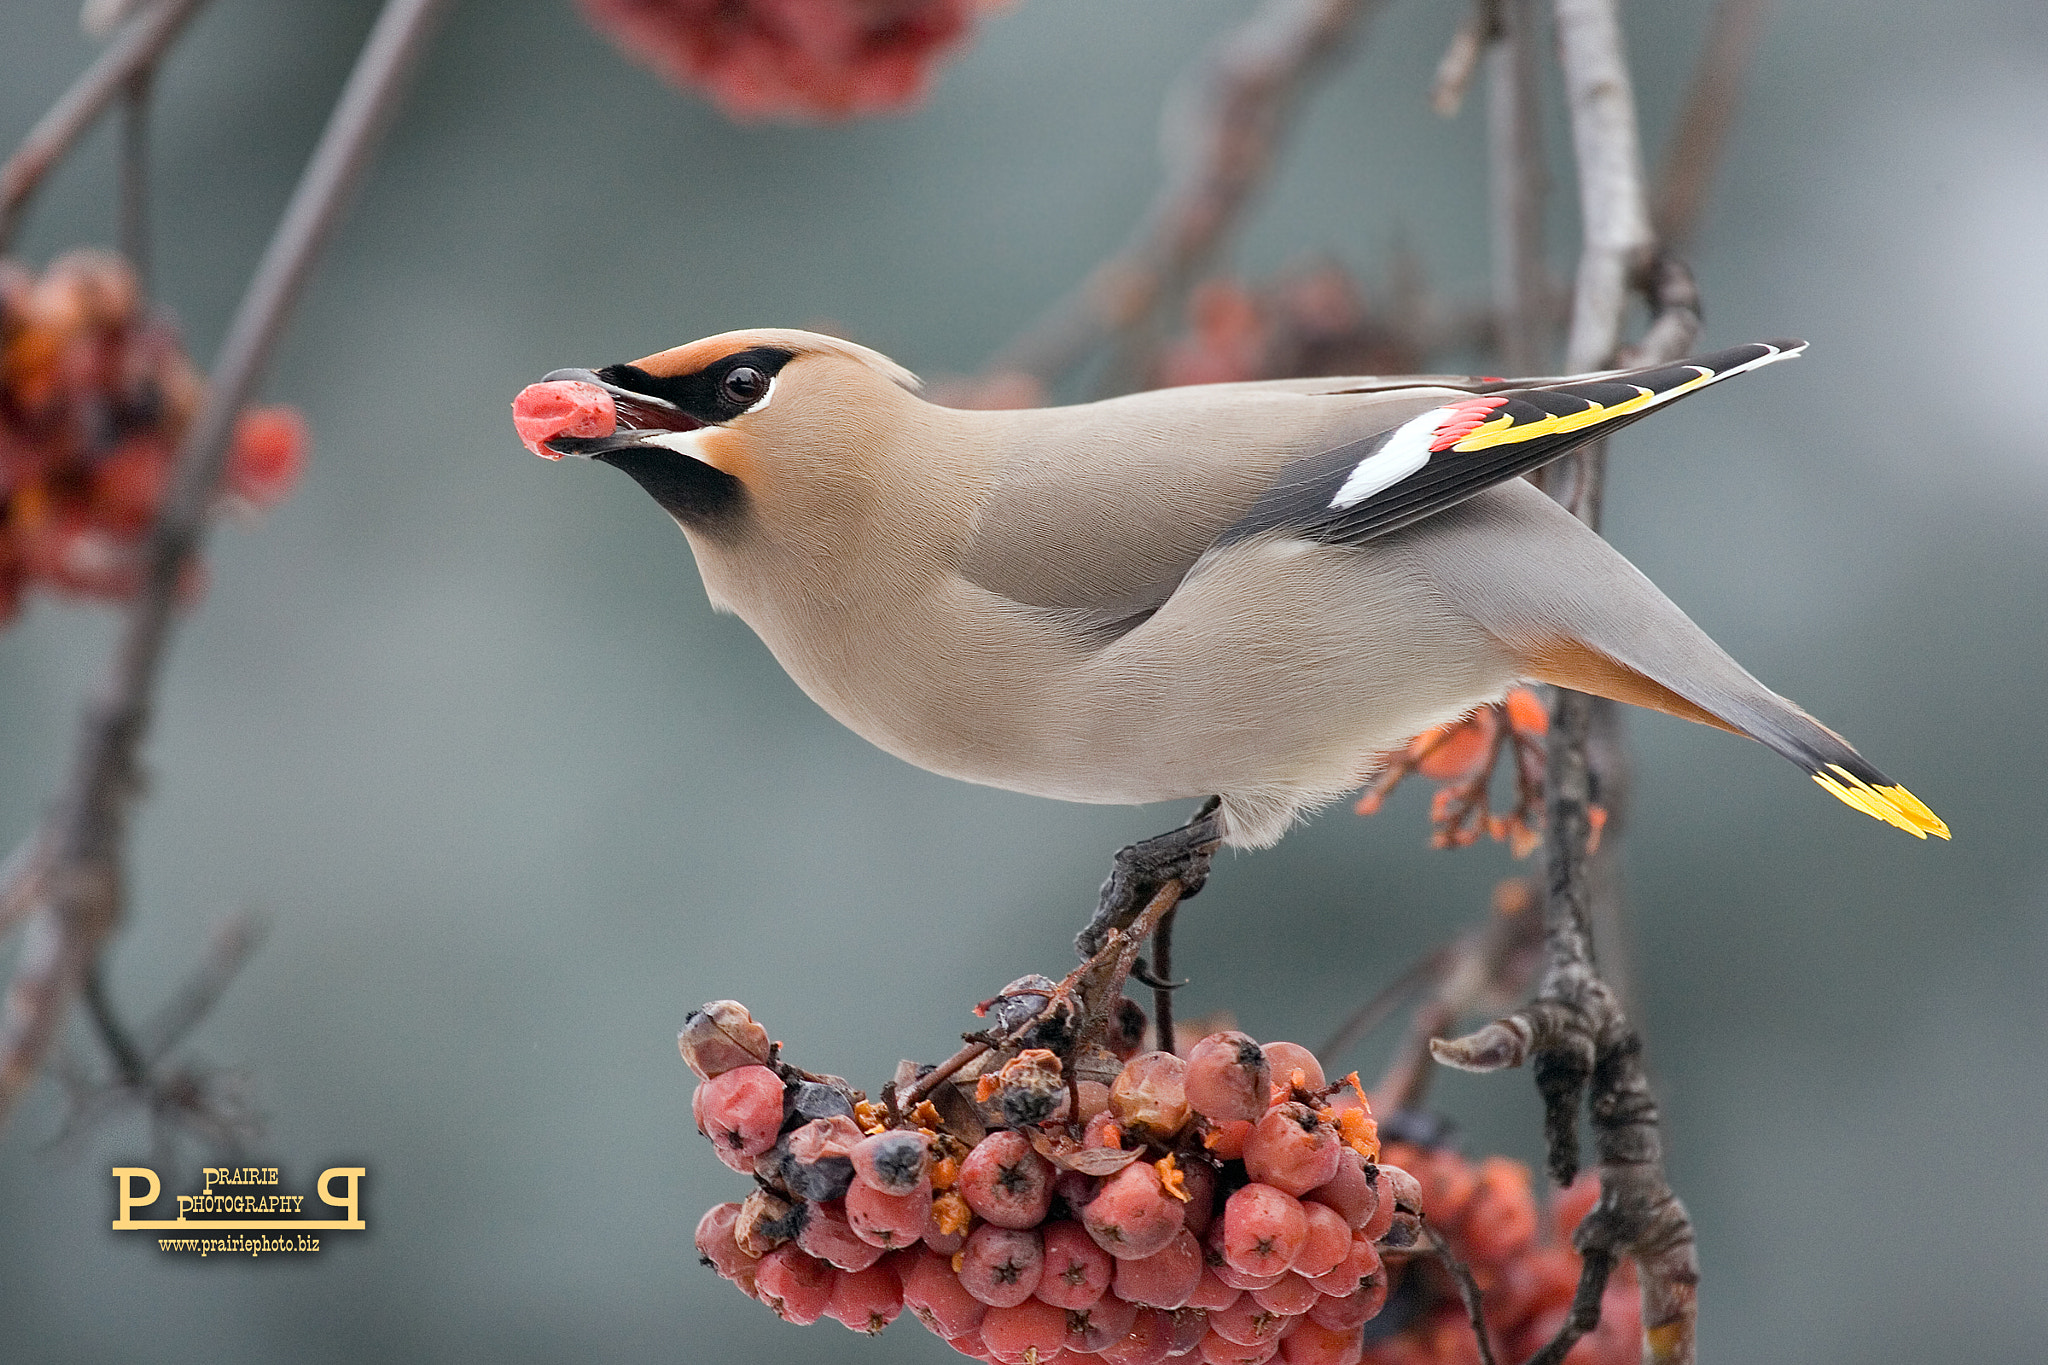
(1222, 138)
(134, 52)
(78, 864)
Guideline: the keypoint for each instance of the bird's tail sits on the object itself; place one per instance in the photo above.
(1577, 614)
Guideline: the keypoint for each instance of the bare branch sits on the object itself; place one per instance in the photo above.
(79, 878)
(1222, 139)
(1523, 291)
(1700, 136)
(1460, 62)
(134, 51)
(1614, 216)
(1468, 1290)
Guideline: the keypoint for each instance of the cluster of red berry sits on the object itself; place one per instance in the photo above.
(1523, 1264)
(1461, 758)
(792, 58)
(95, 394)
(1228, 1207)
(1313, 320)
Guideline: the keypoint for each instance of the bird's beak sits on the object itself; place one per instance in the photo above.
(643, 420)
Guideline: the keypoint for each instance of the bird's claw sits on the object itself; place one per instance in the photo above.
(1181, 855)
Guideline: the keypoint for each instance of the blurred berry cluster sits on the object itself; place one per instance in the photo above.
(792, 58)
(1523, 1264)
(1308, 321)
(1461, 758)
(1229, 1207)
(95, 394)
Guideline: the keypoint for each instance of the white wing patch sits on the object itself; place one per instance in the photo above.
(1406, 451)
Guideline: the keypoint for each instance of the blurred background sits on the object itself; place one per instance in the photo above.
(462, 725)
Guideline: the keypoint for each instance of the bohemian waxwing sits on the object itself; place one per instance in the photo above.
(1247, 592)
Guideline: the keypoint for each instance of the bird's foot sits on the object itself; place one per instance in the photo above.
(1181, 855)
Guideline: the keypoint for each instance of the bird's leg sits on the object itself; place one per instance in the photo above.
(1142, 868)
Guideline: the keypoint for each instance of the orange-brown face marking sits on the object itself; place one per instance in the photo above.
(1570, 663)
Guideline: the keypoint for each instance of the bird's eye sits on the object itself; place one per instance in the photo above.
(744, 384)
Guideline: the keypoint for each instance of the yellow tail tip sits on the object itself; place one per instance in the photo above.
(1893, 805)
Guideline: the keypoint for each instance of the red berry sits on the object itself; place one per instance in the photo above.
(1294, 1066)
(1225, 1141)
(1149, 1097)
(796, 1285)
(1100, 1325)
(1166, 1278)
(1001, 1266)
(1405, 1194)
(1248, 1323)
(1077, 1272)
(1500, 1222)
(1228, 1078)
(887, 1220)
(716, 1244)
(1314, 1344)
(1354, 1309)
(1198, 1179)
(1329, 1241)
(867, 1300)
(1382, 1216)
(1291, 1295)
(828, 1236)
(1292, 1149)
(1190, 1326)
(1349, 1192)
(1029, 1326)
(892, 1162)
(1211, 1293)
(1217, 1349)
(935, 1294)
(1147, 1343)
(1132, 1216)
(1264, 1229)
(268, 455)
(741, 1113)
(1006, 1182)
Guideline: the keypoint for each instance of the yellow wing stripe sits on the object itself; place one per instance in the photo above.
(1502, 430)
(1893, 805)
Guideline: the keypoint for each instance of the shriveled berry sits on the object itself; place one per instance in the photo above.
(1292, 1295)
(1149, 1097)
(1006, 1182)
(815, 1164)
(1228, 1078)
(720, 1037)
(828, 1236)
(1031, 1326)
(1147, 1343)
(1329, 1241)
(1290, 1061)
(1315, 1344)
(796, 1285)
(1127, 1026)
(1166, 1278)
(804, 1101)
(1132, 1216)
(867, 1300)
(1264, 1230)
(934, 1293)
(716, 1244)
(1001, 1266)
(1077, 1272)
(765, 1221)
(1198, 1182)
(892, 1162)
(741, 1112)
(1292, 1149)
(887, 1220)
(1030, 1089)
(1100, 1325)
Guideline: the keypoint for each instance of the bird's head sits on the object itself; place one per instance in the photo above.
(771, 427)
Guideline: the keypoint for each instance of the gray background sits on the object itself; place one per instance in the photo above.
(462, 723)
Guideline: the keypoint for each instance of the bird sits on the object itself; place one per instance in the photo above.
(1244, 593)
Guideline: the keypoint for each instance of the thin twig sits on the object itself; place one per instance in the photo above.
(1162, 972)
(1481, 29)
(80, 885)
(1615, 217)
(1468, 1290)
(1523, 291)
(1223, 139)
(1700, 136)
(136, 48)
(228, 950)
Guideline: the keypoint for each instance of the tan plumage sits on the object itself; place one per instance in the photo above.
(1196, 591)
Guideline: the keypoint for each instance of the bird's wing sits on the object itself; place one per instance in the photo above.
(1101, 508)
(1438, 458)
